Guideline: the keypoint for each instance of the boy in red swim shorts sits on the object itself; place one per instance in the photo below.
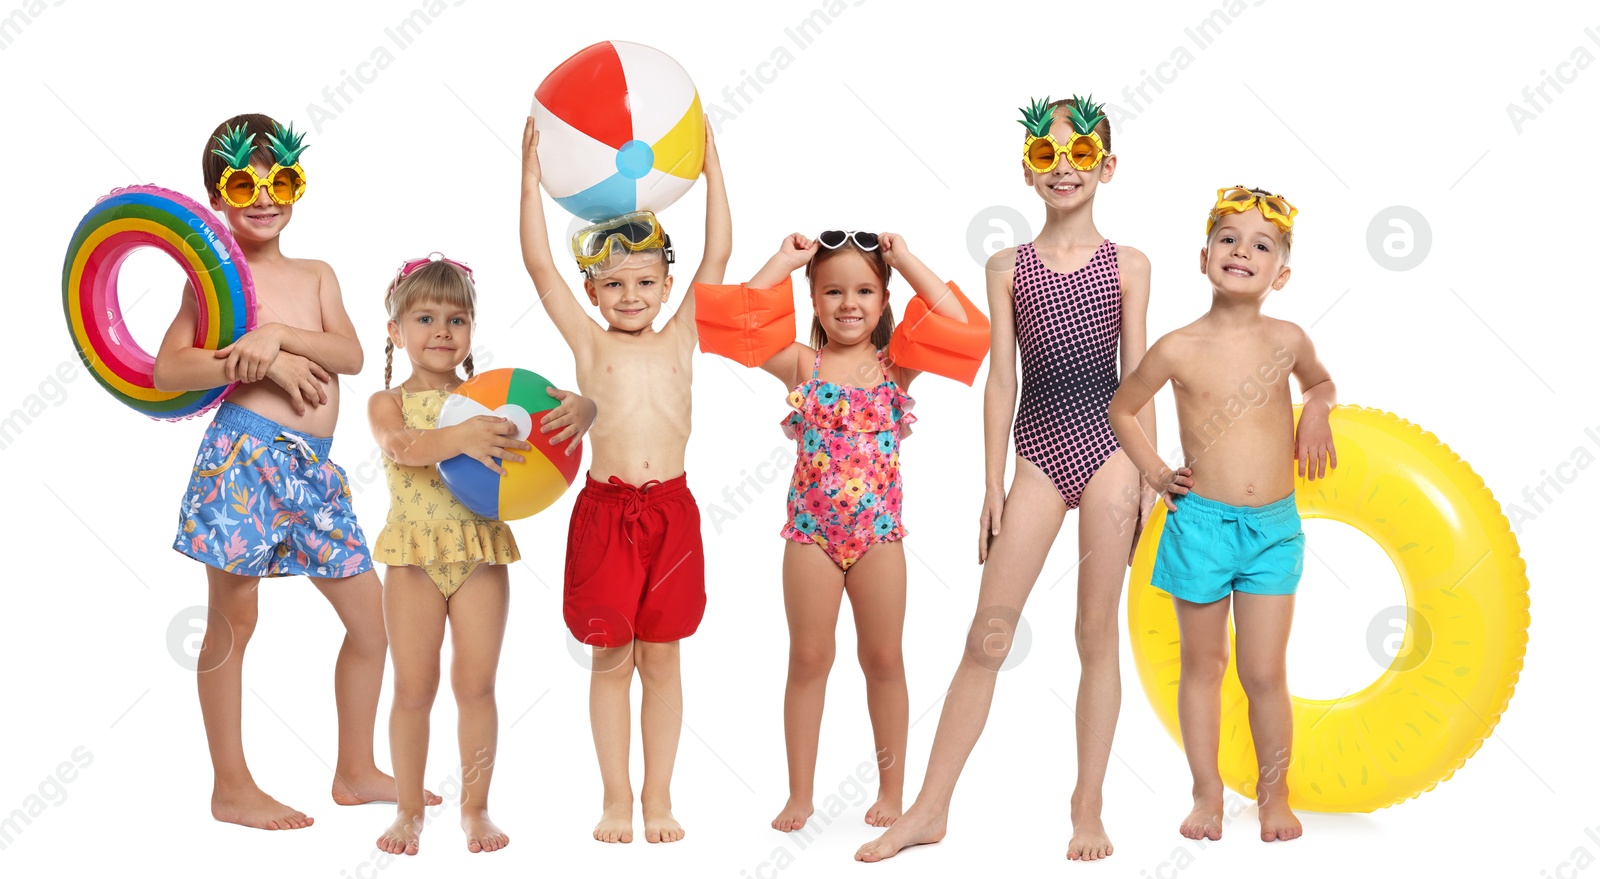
(635, 576)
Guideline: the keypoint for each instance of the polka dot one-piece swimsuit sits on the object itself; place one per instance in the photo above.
(845, 493)
(1068, 327)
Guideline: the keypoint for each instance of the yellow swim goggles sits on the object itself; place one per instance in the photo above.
(240, 183)
(1237, 199)
(636, 231)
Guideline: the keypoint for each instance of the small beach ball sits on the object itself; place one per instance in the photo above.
(528, 487)
(620, 130)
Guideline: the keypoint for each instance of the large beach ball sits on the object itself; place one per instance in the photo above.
(620, 130)
(528, 487)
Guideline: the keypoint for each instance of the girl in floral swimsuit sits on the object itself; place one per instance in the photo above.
(850, 412)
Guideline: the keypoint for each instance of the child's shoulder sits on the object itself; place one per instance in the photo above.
(1283, 333)
(384, 399)
(1003, 260)
(1132, 259)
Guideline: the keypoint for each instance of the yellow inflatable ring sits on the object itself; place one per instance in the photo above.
(1466, 629)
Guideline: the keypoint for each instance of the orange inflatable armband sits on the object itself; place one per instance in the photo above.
(743, 323)
(925, 341)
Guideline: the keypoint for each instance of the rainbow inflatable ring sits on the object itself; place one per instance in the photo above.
(149, 216)
(1390, 739)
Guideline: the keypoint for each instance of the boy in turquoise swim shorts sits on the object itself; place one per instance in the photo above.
(264, 499)
(1232, 535)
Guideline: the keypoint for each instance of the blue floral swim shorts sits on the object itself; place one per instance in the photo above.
(264, 501)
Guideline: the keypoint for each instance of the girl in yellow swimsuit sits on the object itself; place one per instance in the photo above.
(444, 561)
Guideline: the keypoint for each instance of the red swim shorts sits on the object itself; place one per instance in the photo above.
(635, 567)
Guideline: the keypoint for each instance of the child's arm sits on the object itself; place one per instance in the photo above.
(335, 348)
(935, 293)
(795, 251)
(180, 366)
(1313, 438)
(559, 302)
(1137, 389)
(572, 418)
(999, 395)
(719, 233)
(484, 437)
(1133, 267)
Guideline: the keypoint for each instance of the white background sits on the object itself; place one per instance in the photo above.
(894, 117)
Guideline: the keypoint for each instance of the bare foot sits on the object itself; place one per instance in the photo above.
(659, 825)
(482, 834)
(1277, 822)
(371, 786)
(402, 835)
(795, 814)
(1205, 821)
(911, 829)
(252, 807)
(1089, 840)
(616, 824)
(884, 812)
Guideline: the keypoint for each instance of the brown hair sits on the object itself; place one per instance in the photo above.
(212, 165)
(874, 258)
(1060, 110)
(438, 282)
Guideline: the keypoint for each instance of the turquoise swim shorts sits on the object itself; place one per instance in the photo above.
(1209, 549)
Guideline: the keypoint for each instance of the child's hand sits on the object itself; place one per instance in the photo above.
(1147, 502)
(894, 250)
(994, 502)
(712, 160)
(530, 156)
(573, 418)
(486, 437)
(796, 250)
(301, 377)
(1172, 482)
(250, 356)
(1313, 446)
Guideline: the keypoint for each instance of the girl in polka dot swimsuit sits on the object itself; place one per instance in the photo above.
(850, 410)
(1065, 302)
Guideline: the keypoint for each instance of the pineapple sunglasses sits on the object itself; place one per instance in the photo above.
(1083, 151)
(239, 183)
(239, 186)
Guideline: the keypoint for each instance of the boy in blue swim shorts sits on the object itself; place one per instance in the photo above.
(1232, 539)
(264, 499)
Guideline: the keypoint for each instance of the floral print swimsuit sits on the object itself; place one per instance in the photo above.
(845, 493)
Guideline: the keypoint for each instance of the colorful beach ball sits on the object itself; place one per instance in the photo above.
(528, 487)
(620, 130)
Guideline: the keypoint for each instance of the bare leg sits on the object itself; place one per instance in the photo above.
(357, 683)
(660, 724)
(1106, 515)
(1203, 658)
(235, 797)
(1017, 555)
(1262, 624)
(477, 630)
(610, 718)
(414, 614)
(812, 588)
(877, 587)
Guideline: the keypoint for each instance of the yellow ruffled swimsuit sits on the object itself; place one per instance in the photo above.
(427, 527)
